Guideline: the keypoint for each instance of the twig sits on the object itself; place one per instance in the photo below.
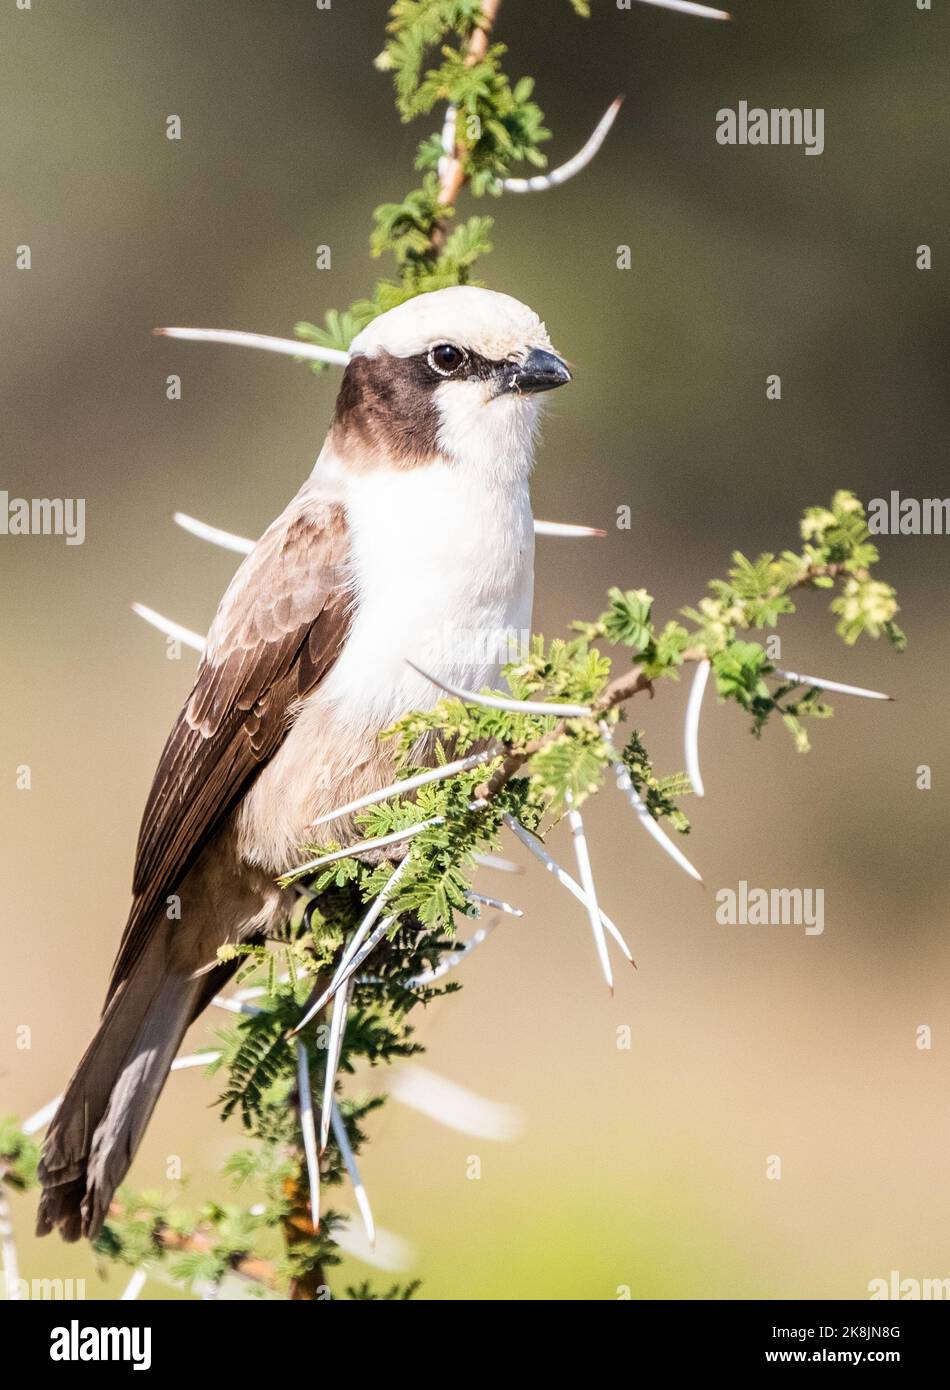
(201, 1242)
(452, 171)
(621, 688)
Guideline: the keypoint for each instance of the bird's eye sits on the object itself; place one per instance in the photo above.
(446, 358)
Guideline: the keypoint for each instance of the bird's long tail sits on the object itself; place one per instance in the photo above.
(102, 1117)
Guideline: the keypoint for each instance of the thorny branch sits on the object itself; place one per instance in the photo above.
(622, 688)
(453, 175)
(199, 1242)
(262, 1065)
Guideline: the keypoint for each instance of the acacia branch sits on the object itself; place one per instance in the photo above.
(201, 1242)
(622, 688)
(454, 176)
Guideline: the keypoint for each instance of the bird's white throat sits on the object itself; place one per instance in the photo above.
(443, 571)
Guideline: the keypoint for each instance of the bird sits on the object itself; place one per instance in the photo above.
(410, 545)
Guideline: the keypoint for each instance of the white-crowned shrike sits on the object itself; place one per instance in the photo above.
(411, 539)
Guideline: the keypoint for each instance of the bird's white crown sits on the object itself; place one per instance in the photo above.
(493, 325)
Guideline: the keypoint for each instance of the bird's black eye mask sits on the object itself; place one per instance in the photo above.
(450, 362)
(388, 404)
(540, 370)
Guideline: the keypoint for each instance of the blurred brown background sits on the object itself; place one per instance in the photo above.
(642, 1168)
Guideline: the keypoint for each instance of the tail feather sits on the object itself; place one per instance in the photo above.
(108, 1103)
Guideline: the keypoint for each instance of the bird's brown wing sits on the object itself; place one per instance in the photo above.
(278, 630)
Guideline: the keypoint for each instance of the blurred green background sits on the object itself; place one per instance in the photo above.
(645, 1167)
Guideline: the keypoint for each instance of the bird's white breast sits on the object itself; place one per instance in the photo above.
(442, 568)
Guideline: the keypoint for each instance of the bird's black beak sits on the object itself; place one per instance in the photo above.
(540, 371)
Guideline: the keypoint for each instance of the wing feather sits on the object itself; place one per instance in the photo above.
(278, 630)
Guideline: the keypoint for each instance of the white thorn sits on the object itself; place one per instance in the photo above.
(288, 347)
(573, 166)
(349, 1162)
(338, 1017)
(582, 855)
(243, 545)
(346, 973)
(308, 1129)
(237, 1004)
(391, 1252)
(9, 1257)
(370, 918)
(353, 955)
(566, 529)
(170, 629)
(820, 684)
(380, 842)
(687, 7)
(448, 129)
(194, 1059)
(449, 126)
(470, 697)
(625, 783)
(254, 991)
(455, 1106)
(135, 1286)
(225, 539)
(409, 784)
(450, 961)
(42, 1117)
(563, 877)
(493, 861)
(691, 728)
(496, 903)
